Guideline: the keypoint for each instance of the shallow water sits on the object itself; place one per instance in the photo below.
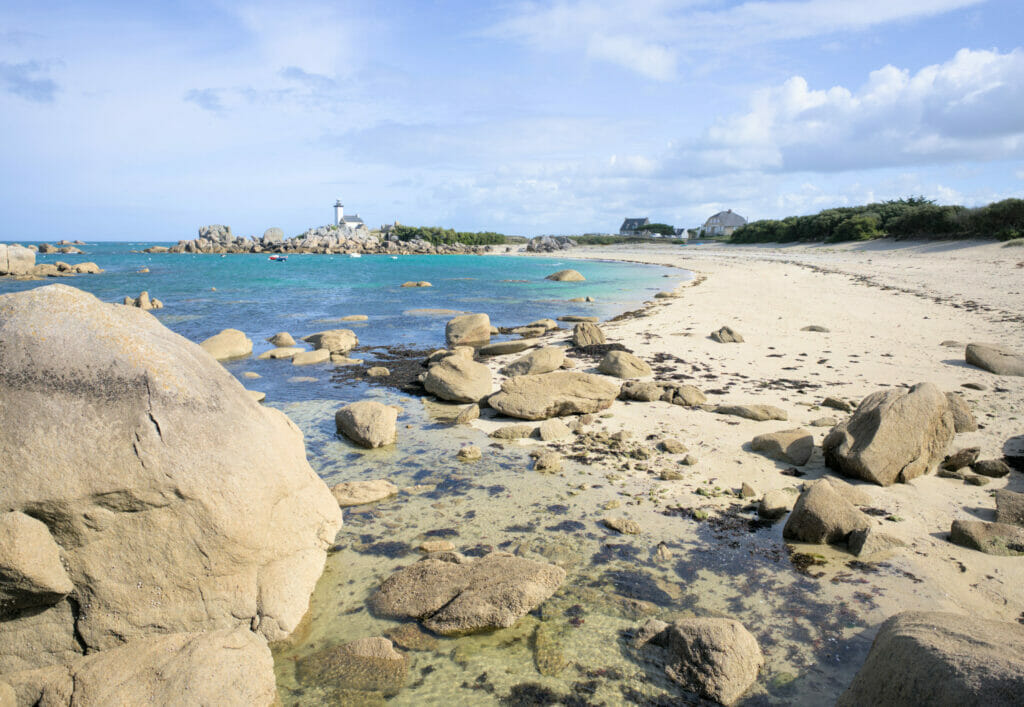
(811, 629)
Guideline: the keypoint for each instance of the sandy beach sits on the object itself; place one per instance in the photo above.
(888, 308)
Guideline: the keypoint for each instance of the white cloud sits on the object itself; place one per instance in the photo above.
(651, 37)
(970, 108)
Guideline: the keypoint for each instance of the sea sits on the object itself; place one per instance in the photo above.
(576, 648)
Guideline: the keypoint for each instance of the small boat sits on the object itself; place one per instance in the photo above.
(278, 258)
(355, 255)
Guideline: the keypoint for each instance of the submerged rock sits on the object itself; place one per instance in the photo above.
(309, 358)
(553, 395)
(469, 453)
(366, 665)
(622, 525)
(357, 493)
(566, 276)
(454, 595)
(940, 658)
(281, 352)
(894, 435)
(716, 658)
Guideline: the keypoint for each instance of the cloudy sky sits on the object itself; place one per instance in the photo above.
(144, 120)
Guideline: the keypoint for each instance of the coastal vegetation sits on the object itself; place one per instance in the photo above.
(447, 236)
(614, 240)
(913, 217)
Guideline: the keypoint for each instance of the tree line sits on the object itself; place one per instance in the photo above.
(446, 236)
(913, 217)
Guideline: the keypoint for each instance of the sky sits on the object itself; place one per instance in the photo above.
(144, 121)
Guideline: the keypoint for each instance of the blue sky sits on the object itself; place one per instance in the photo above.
(128, 120)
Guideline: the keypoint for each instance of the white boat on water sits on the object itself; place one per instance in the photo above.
(355, 255)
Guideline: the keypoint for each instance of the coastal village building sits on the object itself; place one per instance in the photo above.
(633, 226)
(722, 224)
(340, 219)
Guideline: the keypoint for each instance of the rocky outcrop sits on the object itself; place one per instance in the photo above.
(144, 302)
(272, 236)
(789, 446)
(822, 515)
(940, 658)
(468, 330)
(454, 595)
(502, 348)
(281, 339)
(356, 671)
(228, 344)
(179, 505)
(545, 360)
(459, 380)
(16, 260)
(368, 423)
(553, 395)
(713, 657)
(995, 359)
(337, 341)
(549, 244)
(894, 435)
(622, 364)
(223, 667)
(566, 276)
(587, 334)
(308, 358)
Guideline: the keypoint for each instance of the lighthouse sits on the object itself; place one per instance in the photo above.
(339, 213)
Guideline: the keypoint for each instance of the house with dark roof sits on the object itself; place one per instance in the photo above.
(633, 226)
(722, 224)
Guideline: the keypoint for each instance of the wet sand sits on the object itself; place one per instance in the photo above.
(701, 549)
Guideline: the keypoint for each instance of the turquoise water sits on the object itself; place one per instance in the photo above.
(203, 294)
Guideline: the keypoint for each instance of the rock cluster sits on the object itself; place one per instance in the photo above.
(549, 244)
(143, 301)
(341, 239)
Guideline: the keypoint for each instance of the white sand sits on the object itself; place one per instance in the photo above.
(888, 307)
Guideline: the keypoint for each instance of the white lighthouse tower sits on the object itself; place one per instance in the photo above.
(339, 213)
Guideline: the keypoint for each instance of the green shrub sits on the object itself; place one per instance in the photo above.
(862, 227)
(439, 236)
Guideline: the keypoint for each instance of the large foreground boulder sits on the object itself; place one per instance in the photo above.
(995, 359)
(16, 260)
(622, 364)
(940, 658)
(553, 395)
(468, 330)
(458, 379)
(178, 504)
(455, 595)
(716, 658)
(587, 334)
(790, 446)
(225, 667)
(893, 435)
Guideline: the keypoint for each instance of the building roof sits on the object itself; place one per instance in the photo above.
(634, 224)
(726, 218)
(352, 219)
